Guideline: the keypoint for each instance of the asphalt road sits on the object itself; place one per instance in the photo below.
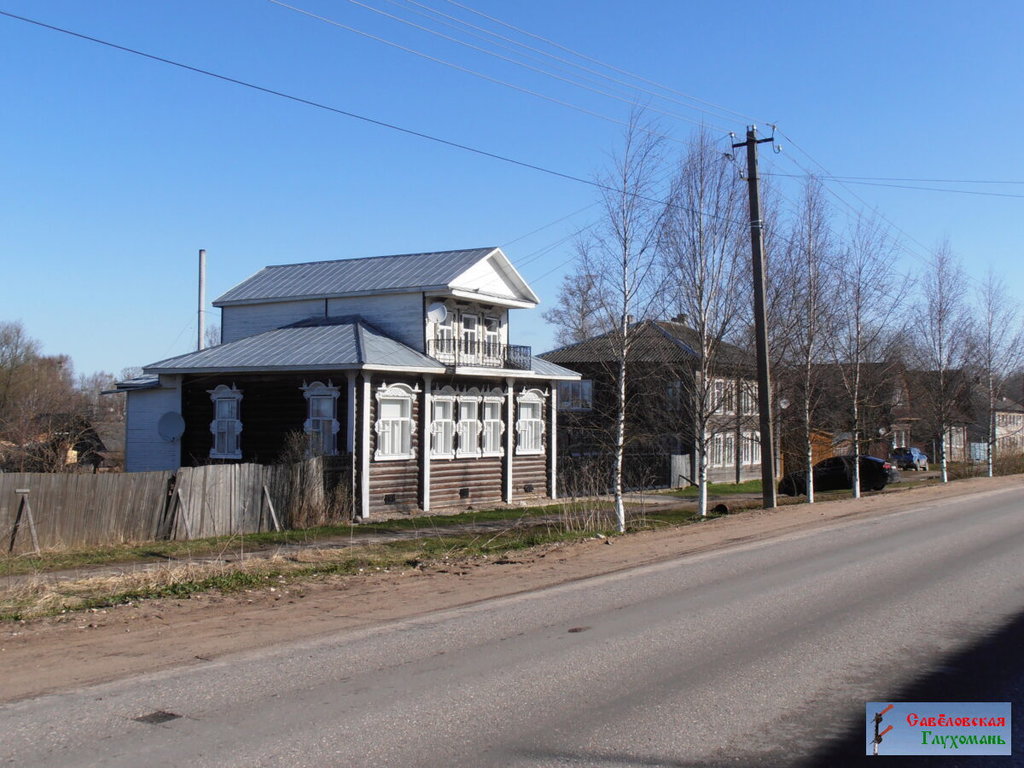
(761, 654)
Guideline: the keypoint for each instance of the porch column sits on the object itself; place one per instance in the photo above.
(553, 440)
(510, 411)
(350, 433)
(425, 442)
(364, 450)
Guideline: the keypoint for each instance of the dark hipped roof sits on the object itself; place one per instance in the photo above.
(653, 342)
(338, 343)
(409, 271)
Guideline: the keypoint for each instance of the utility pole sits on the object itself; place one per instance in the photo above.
(201, 335)
(764, 391)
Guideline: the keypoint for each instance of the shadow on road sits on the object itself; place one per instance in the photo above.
(990, 670)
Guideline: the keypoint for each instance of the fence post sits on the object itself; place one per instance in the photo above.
(270, 506)
(24, 508)
(182, 510)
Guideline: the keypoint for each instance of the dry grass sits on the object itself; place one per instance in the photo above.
(37, 595)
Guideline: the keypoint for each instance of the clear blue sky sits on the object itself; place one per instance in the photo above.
(118, 169)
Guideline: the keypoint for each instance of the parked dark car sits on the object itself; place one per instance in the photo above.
(837, 473)
(909, 458)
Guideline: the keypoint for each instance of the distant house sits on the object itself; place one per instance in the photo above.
(401, 366)
(660, 435)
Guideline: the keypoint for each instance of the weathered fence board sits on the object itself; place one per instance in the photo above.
(83, 510)
(217, 500)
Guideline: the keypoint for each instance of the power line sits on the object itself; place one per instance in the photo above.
(593, 60)
(922, 181)
(549, 224)
(461, 68)
(851, 180)
(353, 115)
(539, 70)
(561, 59)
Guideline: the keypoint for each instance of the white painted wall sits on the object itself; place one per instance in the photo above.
(237, 322)
(483, 277)
(144, 449)
(399, 315)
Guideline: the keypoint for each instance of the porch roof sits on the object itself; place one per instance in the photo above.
(345, 343)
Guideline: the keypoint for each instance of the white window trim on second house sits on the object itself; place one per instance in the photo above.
(442, 424)
(227, 424)
(469, 427)
(529, 429)
(403, 396)
(321, 423)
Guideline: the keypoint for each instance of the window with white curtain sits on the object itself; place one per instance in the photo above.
(226, 425)
(530, 425)
(493, 427)
(469, 425)
(394, 422)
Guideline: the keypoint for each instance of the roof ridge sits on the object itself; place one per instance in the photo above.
(383, 256)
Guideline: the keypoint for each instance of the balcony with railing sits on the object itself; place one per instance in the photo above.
(479, 354)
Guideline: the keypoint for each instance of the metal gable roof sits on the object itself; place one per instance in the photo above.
(341, 343)
(410, 271)
(652, 341)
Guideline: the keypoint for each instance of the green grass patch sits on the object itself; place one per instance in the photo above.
(718, 489)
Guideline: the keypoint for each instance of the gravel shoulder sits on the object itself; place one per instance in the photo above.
(76, 649)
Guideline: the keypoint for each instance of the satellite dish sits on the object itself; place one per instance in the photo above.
(171, 426)
(437, 312)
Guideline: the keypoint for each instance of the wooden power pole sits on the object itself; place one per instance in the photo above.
(764, 390)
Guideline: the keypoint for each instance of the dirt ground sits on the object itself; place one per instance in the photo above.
(72, 650)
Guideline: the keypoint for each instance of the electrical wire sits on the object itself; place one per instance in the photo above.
(466, 70)
(851, 180)
(346, 113)
(547, 73)
(460, 23)
(593, 60)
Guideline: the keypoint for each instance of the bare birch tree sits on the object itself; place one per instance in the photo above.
(706, 280)
(868, 315)
(621, 253)
(578, 313)
(945, 344)
(999, 347)
(806, 312)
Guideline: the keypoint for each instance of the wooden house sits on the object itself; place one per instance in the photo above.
(663, 387)
(402, 366)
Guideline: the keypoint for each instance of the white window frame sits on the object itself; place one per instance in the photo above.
(315, 425)
(492, 429)
(576, 395)
(222, 393)
(716, 446)
(750, 448)
(469, 429)
(405, 395)
(492, 336)
(723, 396)
(442, 431)
(748, 398)
(530, 431)
(471, 333)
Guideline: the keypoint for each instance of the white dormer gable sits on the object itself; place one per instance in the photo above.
(494, 277)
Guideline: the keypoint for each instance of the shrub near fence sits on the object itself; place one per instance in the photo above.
(216, 500)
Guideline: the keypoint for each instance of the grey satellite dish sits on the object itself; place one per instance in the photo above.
(437, 312)
(171, 426)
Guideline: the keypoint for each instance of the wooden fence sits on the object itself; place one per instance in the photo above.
(61, 511)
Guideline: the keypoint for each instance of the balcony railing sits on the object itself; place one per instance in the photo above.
(480, 354)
